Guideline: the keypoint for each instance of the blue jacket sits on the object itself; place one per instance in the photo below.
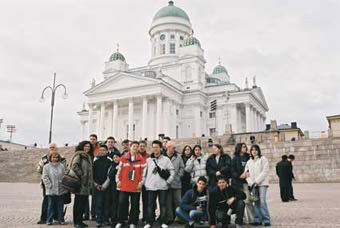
(192, 199)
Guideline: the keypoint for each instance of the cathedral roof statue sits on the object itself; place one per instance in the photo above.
(191, 40)
(171, 11)
(117, 56)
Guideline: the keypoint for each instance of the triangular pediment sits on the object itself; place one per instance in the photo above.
(121, 81)
(260, 96)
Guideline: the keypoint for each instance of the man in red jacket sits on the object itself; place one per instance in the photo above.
(130, 179)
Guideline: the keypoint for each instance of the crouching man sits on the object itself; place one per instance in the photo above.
(193, 205)
(223, 202)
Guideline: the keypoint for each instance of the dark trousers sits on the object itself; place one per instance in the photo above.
(55, 202)
(290, 190)
(284, 192)
(238, 209)
(102, 203)
(114, 205)
(124, 205)
(79, 208)
(152, 196)
(145, 202)
(93, 206)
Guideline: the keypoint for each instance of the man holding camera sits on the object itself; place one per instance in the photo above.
(130, 179)
(159, 176)
(224, 201)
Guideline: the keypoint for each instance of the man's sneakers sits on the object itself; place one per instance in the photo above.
(239, 226)
(267, 224)
(119, 225)
(41, 222)
(164, 225)
(98, 224)
(132, 226)
(146, 226)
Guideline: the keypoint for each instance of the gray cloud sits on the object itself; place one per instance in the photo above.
(291, 46)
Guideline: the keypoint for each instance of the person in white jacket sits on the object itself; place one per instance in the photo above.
(157, 183)
(196, 165)
(257, 173)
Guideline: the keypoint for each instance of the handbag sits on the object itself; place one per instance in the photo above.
(163, 173)
(70, 180)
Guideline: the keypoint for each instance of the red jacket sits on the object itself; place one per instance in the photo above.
(127, 166)
(145, 155)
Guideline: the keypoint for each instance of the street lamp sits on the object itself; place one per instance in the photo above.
(42, 99)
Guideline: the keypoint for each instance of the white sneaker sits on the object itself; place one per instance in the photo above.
(147, 226)
(132, 226)
(164, 225)
(119, 225)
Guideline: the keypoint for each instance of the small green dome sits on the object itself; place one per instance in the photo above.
(191, 41)
(117, 56)
(220, 69)
(171, 11)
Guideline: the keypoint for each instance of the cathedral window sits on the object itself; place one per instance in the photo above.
(212, 131)
(172, 48)
(201, 113)
(172, 36)
(181, 38)
(177, 112)
(212, 115)
(162, 49)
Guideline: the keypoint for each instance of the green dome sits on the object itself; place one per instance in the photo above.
(171, 11)
(191, 41)
(116, 56)
(220, 69)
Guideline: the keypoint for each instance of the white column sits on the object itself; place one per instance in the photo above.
(233, 117)
(197, 119)
(101, 121)
(248, 118)
(158, 115)
(130, 130)
(173, 119)
(145, 117)
(115, 119)
(90, 120)
(166, 117)
(253, 118)
(259, 126)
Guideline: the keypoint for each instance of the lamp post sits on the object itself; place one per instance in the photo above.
(53, 90)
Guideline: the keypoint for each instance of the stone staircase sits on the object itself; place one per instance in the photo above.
(317, 160)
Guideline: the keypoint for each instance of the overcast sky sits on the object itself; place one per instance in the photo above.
(293, 48)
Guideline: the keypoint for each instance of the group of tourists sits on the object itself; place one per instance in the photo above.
(191, 187)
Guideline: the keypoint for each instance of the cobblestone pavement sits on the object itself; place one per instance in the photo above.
(318, 206)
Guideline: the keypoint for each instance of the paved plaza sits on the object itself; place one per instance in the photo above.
(318, 206)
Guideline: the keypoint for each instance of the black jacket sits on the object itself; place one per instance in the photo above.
(284, 172)
(186, 178)
(101, 167)
(237, 168)
(192, 198)
(112, 175)
(218, 200)
(224, 166)
(113, 152)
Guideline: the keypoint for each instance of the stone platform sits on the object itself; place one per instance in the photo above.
(318, 206)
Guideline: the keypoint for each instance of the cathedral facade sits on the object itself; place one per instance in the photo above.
(173, 94)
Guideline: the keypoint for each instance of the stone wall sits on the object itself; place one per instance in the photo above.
(317, 160)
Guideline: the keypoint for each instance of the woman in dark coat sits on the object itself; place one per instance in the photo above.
(81, 166)
(186, 154)
(218, 164)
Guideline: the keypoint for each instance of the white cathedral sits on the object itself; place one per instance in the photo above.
(173, 94)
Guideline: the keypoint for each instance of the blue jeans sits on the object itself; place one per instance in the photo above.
(261, 208)
(192, 216)
(59, 202)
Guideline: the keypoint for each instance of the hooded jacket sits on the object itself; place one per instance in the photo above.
(192, 198)
(153, 181)
(197, 167)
